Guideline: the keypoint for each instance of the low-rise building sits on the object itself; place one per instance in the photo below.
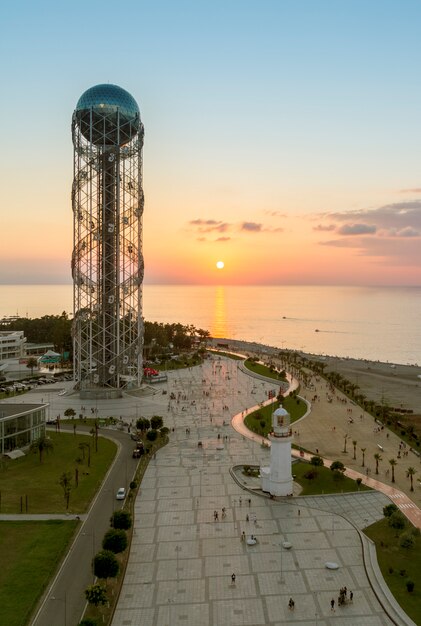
(20, 425)
(12, 344)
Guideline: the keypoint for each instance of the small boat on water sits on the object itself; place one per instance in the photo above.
(317, 330)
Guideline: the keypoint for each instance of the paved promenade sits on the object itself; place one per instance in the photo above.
(182, 557)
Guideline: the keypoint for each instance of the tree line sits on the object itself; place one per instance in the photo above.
(57, 329)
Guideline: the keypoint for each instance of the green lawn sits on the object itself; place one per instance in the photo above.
(295, 407)
(324, 482)
(404, 563)
(40, 481)
(30, 553)
(258, 368)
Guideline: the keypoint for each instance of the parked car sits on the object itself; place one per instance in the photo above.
(121, 494)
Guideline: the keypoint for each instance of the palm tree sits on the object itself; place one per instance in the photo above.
(410, 474)
(354, 443)
(378, 457)
(41, 445)
(86, 446)
(345, 438)
(66, 483)
(393, 463)
(363, 451)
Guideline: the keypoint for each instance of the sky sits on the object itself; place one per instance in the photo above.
(282, 137)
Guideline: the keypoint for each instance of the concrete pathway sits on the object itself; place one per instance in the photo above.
(182, 558)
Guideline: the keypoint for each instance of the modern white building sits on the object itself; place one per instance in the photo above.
(20, 425)
(12, 344)
(277, 478)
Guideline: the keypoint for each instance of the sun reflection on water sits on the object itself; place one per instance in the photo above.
(219, 326)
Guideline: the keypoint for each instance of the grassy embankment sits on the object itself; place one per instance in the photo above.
(324, 482)
(31, 551)
(399, 564)
(27, 478)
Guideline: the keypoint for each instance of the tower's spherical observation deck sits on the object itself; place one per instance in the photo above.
(107, 115)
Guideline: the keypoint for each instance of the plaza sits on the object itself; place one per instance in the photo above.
(182, 558)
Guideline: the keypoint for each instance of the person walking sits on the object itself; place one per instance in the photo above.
(233, 579)
(332, 604)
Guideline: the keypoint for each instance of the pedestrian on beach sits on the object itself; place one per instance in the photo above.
(233, 579)
(351, 596)
(243, 536)
(247, 518)
(291, 604)
(332, 604)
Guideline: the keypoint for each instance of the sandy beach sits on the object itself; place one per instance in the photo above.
(396, 385)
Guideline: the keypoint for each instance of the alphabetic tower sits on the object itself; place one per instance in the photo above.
(107, 260)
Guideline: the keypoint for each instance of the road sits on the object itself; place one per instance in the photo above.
(64, 601)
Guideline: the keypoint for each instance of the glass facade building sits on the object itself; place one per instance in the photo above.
(20, 425)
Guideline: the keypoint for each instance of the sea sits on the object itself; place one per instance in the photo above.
(374, 323)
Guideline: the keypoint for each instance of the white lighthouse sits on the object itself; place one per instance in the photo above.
(277, 478)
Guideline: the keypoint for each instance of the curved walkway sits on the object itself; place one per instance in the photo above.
(182, 558)
(398, 497)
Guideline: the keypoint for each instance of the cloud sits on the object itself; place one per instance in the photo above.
(327, 228)
(415, 190)
(210, 226)
(251, 227)
(408, 232)
(276, 214)
(388, 235)
(356, 229)
(203, 222)
(202, 227)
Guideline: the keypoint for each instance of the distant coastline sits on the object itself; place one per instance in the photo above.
(373, 323)
(392, 383)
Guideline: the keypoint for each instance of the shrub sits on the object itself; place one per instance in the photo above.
(156, 422)
(151, 435)
(105, 564)
(115, 540)
(397, 520)
(311, 474)
(121, 520)
(359, 481)
(317, 461)
(133, 484)
(337, 466)
(406, 540)
(88, 622)
(410, 585)
(389, 509)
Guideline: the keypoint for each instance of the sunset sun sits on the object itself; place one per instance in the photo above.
(220, 265)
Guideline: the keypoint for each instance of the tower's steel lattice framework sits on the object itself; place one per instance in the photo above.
(107, 260)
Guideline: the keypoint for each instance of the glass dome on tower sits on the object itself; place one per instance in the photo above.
(107, 115)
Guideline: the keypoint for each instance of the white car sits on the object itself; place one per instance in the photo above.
(121, 494)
